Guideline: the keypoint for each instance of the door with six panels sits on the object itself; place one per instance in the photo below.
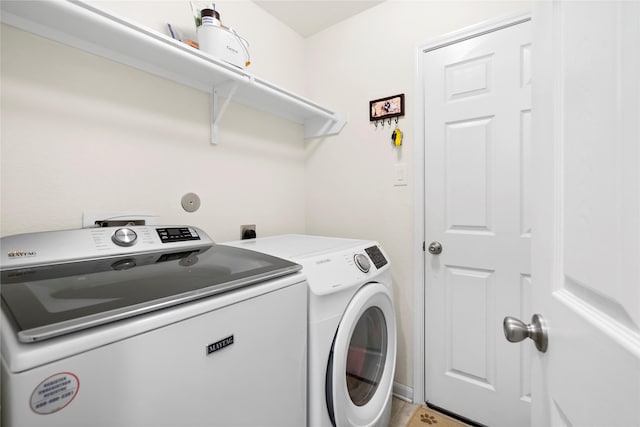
(477, 194)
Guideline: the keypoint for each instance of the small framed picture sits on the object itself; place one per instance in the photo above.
(391, 106)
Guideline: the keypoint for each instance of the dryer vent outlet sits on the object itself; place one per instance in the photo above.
(248, 231)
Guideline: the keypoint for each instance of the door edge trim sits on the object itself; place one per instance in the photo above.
(476, 34)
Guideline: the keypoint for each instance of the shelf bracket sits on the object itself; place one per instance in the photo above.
(321, 126)
(217, 113)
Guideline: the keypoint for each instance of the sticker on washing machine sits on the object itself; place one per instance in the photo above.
(55, 393)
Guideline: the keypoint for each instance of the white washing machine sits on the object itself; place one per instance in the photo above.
(149, 326)
(352, 327)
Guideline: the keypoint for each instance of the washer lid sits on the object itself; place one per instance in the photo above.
(52, 300)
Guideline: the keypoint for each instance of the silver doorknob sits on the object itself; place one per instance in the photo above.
(435, 248)
(515, 330)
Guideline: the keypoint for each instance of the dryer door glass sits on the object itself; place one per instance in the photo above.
(366, 356)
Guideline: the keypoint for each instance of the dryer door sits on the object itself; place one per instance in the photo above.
(363, 358)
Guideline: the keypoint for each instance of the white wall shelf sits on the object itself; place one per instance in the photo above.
(96, 31)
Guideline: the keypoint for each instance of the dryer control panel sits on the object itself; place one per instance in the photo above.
(328, 273)
(376, 256)
(331, 264)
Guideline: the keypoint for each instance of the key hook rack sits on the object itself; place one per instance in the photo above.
(382, 122)
(386, 109)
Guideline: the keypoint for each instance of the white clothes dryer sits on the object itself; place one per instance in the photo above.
(352, 327)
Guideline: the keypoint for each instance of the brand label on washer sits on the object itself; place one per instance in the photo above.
(219, 345)
(54, 393)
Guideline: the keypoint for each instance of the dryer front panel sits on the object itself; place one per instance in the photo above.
(362, 362)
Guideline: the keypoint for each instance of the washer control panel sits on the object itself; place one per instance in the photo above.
(177, 234)
(124, 237)
(89, 243)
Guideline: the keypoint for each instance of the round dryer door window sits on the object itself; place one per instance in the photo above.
(366, 356)
(361, 368)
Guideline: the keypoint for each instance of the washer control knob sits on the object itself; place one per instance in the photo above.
(124, 237)
(362, 262)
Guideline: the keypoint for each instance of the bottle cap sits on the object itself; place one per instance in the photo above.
(210, 12)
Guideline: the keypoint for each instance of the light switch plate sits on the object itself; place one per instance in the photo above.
(400, 174)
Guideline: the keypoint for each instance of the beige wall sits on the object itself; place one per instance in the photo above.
(82, 133)
(350, 189)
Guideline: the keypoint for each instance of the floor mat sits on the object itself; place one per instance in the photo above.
(426, 417)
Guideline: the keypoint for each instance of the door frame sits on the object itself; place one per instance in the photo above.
(419, 344)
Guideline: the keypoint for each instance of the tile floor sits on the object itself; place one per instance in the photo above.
(401, 412)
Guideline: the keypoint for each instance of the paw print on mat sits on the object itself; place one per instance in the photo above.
(429, 419)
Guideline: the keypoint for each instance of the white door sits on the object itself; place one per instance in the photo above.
(477, 146)
(586, 245)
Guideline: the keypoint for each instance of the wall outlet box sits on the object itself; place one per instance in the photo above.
(248, 231)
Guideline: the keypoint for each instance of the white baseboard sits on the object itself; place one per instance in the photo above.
(403, 392)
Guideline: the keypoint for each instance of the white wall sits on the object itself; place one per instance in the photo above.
(83, 133)
(350, 178)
